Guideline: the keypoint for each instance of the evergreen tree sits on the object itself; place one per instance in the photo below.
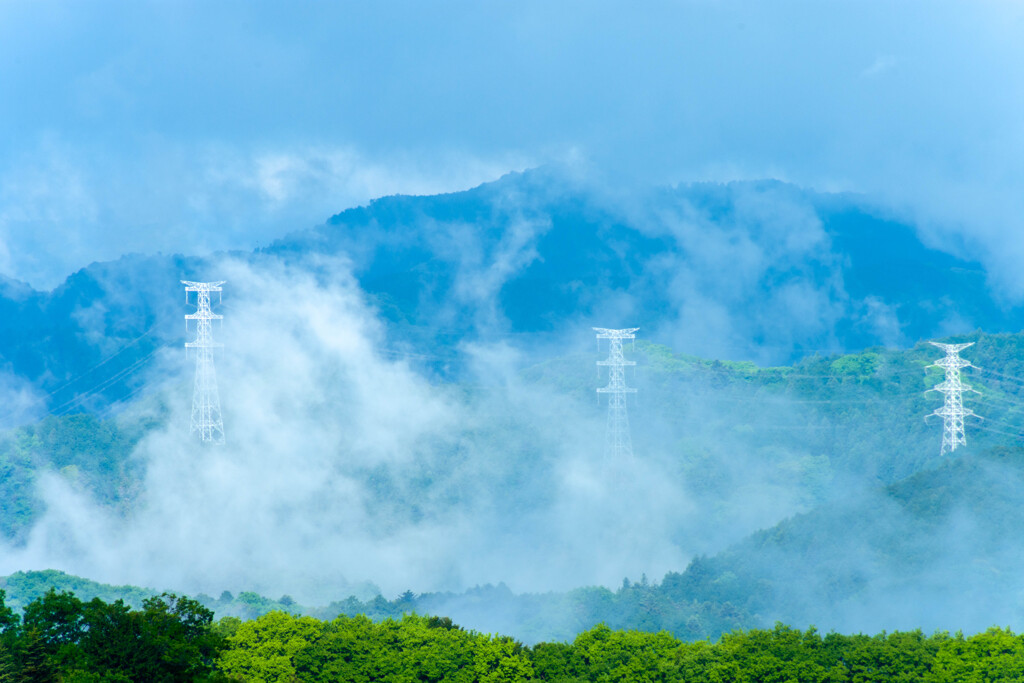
(8, 669)
(36, 666)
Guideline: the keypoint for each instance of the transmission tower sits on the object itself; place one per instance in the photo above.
(952, 411)
(619, 445)
(206, 417)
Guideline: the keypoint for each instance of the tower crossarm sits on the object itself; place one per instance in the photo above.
(951, 348)
(954, 410)
(606, 333)
(950, 386)
(203, 286)
(952, 364)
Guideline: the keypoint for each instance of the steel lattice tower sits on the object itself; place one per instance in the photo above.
(206, 417)
(620, 444)
(952, 411)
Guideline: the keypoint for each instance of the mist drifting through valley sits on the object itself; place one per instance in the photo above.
(439, 448)
(344, 465)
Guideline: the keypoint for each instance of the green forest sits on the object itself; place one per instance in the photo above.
(59, 637)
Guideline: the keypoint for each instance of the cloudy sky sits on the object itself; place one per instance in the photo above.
(191, 126)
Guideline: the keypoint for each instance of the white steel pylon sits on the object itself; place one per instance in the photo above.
(619, 445)
(206, 417)
(952, 411)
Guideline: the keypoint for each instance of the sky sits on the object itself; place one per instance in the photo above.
(199, 126)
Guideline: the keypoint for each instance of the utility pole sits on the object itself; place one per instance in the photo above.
(619, 445)
(206, 417)
(952, 411)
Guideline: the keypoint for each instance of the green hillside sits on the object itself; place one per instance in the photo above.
(87, 452)
(22, 588)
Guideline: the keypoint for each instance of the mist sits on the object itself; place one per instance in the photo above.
(346, 463)
(353, 465)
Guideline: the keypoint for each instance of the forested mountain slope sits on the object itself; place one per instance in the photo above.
(939, 547)
(756, 270)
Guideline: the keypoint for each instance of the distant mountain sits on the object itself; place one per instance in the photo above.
(747, 270)
(85, 345)
(715, 276)
(22, 588)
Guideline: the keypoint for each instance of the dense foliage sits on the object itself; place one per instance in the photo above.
(279, 647)
(61, 638)
(21, 588)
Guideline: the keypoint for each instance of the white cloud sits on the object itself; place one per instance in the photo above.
(193, 199)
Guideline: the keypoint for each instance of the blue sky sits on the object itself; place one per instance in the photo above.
(191, 126)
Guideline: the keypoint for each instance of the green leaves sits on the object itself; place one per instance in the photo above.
(57, 618)
(170, 639)
(783, 655)
(281, 647)
(174, 639)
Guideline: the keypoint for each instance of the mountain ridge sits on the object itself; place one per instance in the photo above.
(759, 270)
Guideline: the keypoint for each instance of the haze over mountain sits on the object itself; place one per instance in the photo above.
(876, 529)
(760, 271)
(408, 392)
(420, 212)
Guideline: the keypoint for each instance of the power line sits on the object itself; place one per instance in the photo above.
(786, 399)
(106, 360)
(41, 399)
(123, 401)
(1008, 378)
(986, 428)
(60, 410)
